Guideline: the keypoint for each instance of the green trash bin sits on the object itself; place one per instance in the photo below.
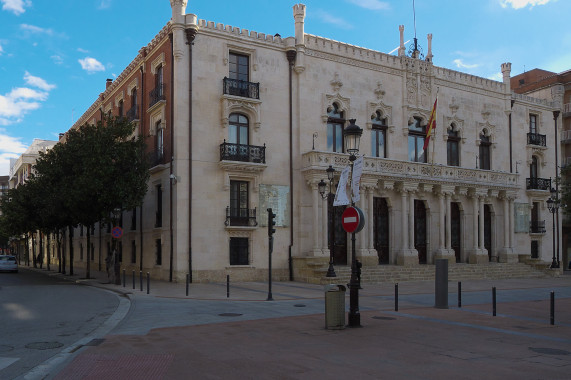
(334, 307)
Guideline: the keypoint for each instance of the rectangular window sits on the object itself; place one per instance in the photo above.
(159, 210)
(239, 67)
(534, 249)
(416, 135)
(484, 152)
(239, 214)
(378, 143)
(532, 123)
(133, 252)
(238, 251)
(120, 108)
(158, 252)
(160, 140)
(335, 137)
(453, 148)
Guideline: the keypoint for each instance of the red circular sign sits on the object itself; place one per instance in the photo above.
(117, 232)
(350, 219)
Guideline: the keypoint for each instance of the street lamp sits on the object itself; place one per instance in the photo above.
(331, 231)
(352, 136)
(553, 207)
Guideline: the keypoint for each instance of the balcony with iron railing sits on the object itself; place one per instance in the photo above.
(157, 94)
(536, 139)
(156, 158)
(537, 227)
(241, 88)
(567, 110)
(243, 153)
(538, 184)
(240, 217)
(133, 113)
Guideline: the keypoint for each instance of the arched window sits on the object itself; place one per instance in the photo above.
(379, 136)
(238, 129)
(453, 147)
(485, 159)
(335, 123)
(416, 136)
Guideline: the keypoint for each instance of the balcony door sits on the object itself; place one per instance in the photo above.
(381, 229)
(420, 241)
(339, 236)
(455, 229)
(239, 203)
(238, 135)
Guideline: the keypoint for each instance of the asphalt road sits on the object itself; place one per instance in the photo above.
(41, 316)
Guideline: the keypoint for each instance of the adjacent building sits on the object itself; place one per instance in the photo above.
(239, 121)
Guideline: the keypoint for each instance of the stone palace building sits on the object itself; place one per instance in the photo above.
(240, 121)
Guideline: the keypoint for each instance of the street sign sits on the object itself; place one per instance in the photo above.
(117, 232)
(353, 219)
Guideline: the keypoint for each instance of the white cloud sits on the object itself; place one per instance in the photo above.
(82, 50)
(330, 19)
(38, 82)
(91, 65)
(104, 4)
(10, 147)
(497, 77)
(518, 4)
(462, 65)
(57, 59)
(374, 5)
(16, 6)
(1, 50)
(36, 29)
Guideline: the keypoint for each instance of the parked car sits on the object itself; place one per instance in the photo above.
(8, 263)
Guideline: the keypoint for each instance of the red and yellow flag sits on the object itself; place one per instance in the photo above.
(431, 125)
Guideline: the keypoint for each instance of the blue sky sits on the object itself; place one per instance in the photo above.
(55, 55)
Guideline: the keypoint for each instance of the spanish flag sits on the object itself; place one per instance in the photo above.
(431, 125)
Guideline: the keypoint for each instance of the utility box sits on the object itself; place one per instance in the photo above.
(335, 307)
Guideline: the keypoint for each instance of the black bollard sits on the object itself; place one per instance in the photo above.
(552, 311)
(187, 283)
(148, 282)
(459, 294)
(133, 279)
(124, 279)
(397, 296)
(227, 286)
(141, 279)
(494, 301)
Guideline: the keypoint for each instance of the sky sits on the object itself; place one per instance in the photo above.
(55, 55)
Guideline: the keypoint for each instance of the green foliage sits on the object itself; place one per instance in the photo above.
(97, 169)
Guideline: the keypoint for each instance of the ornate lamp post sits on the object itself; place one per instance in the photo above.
(331, 231)
(553, 207)
(352, 137)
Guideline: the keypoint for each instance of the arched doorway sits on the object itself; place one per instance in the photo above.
(488, 230)
(420, 243)
(381, 229)
(455, 230)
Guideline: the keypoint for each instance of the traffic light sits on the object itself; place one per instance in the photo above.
(271, 222)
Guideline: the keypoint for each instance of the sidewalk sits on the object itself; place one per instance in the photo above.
(168, 335)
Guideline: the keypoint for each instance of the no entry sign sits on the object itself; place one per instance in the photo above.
(353, 219)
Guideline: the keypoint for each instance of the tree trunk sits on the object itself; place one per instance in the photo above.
(71, 250)
(34, 250)
(88, 266)
(63, 251)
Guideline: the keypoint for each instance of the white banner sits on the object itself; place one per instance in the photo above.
(357, 171)
(341, 198)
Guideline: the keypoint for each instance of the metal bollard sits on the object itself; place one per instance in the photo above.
(397, 296)
(494, 301)
(552, 309)
(148, 282)
(227, 286)
(133, 279)
(459, 294)
(141, 279)
(124, 279)
(187, 283)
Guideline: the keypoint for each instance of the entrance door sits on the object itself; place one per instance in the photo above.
(488, 230)
(420, 230)
(455, 230)
(381, 229)
(337, 234)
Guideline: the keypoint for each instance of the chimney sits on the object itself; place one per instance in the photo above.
(108, 83)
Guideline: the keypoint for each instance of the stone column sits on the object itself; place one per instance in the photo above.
(448, 222)
(325, 226)
(445, 251)
(442, 221)
(411, 220)
(407, 256)
(506, 254)
(316, 227)
(477, 254)
(404, 221)
(481, 228)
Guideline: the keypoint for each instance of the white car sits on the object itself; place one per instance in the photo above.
(8, 263)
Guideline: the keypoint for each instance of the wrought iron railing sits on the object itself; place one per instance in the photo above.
(133, 113)
(242, 152)
(240, 217)
(537, 227)
(536, 139)
(538, 183)
(157, 94)
(156, 158)
(241, 88)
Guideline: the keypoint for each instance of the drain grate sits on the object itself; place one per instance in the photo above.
(230, 315)
(44, 345)
(94, 342)
(299, 305)
(384, 318)
(549, 351)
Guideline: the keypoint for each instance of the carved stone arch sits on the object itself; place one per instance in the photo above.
(539, 153)
(410, 120)
(343, 103)
(488, 130)
(457, 125)
(249, 108)
(386, 111)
